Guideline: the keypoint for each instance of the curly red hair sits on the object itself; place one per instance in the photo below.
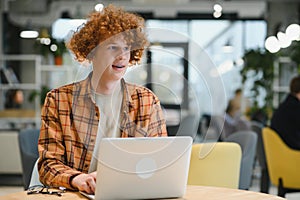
(101, 26)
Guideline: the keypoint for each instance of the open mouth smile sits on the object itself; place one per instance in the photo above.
(118, 66)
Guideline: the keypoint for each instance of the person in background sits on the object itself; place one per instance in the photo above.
(286, 118)
(14, 99)
(233, 120)
(240, 102)
(76, 116)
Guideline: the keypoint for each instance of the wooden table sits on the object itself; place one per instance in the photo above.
(192, 193)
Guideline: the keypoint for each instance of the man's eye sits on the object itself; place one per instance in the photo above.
(126, 48)
(112, 47)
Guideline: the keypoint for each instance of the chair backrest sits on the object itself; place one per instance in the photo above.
(282, 161)
(188, 126)
(28, 144)
(215, 164)
(247, 140)
(214, 129)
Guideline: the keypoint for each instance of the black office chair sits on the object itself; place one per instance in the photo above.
(28, 144)
(187, 127)
(260, 154)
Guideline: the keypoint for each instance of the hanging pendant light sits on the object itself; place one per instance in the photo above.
(228, 48)
(29, 32)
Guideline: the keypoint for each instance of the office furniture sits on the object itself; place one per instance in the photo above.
(215, 164)
(247, 140)
(192, 193)
(29, 80)
(283, 71)
(28, 144)
(187, 126)
(33, 76)
(283, 163)
(10, 153)
(261, 157)
(212, 130)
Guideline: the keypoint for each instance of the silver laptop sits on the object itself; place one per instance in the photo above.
(142, 168)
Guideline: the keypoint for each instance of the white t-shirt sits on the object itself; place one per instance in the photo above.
(109, 106)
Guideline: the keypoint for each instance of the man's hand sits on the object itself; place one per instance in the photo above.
(85, 182)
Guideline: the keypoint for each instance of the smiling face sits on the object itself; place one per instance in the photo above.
(110, 60)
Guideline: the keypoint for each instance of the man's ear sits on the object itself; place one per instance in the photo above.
(91, 55)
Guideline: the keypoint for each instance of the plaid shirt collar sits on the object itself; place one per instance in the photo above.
(86, 90)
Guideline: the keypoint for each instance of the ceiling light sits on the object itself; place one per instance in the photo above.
(239, 62)
(272, 44)
(45, 41)
(293, 31)
(53, 47)
(217, 14)
(99, 7)
(228, 48)
(218, 8)
(284, 41)
(29, 34)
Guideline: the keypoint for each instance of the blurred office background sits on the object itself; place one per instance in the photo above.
(194, 64)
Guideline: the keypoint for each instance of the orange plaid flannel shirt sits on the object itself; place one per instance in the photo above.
(69, 124)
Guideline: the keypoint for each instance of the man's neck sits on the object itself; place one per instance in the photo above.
(105, 87)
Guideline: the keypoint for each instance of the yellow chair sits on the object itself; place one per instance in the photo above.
(215, 164)
(283, 163)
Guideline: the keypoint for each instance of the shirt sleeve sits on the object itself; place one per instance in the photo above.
(52, 168)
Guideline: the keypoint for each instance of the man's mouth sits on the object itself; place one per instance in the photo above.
(118, 66)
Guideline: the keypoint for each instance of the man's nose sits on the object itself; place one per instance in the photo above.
(122, 54)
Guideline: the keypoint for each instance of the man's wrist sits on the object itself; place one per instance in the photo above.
(71, 181)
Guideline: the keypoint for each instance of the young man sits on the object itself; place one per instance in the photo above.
(76, 116)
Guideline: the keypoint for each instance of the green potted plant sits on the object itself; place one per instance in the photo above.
(58, 48)
(51, 46)
(259, 65)
(42, 94)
